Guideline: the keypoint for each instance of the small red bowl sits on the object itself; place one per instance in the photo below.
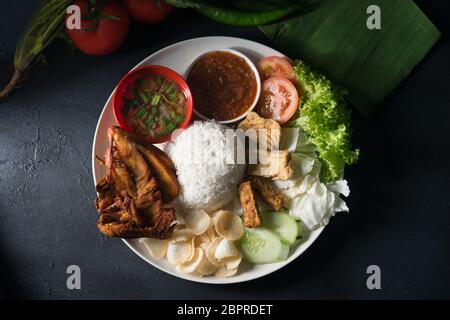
(165, 72)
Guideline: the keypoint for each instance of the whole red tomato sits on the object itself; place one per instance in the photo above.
(104, 27)
(148, 11)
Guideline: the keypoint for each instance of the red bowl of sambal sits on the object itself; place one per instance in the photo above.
(152, 102)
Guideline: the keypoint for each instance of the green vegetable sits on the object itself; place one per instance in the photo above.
(236, 17)
(263, 5)
(166, 121)
(325, 118)
(155, 100)
(170, 88)
(171, 126)
(173, 96)
(43, 28)
(149, 122)
(143, 97)
(142, 113)
(259, 245)
(158, 80)
(154, 110)
(335, 39)
(283, 225)
(260, 5)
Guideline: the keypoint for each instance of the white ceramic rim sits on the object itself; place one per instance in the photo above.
(255, 72)
(297, 251)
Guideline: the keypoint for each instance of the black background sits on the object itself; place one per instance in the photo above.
(400, 207)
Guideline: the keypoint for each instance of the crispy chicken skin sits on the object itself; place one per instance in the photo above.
(252, 216)
(269, 194)
(129, 201)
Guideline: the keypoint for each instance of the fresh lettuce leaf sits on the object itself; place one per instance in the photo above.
(325, 118)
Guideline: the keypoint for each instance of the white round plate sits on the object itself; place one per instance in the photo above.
(178, 57)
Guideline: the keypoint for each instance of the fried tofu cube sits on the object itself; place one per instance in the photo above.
(252, 216)
(270, 127)
(276, 165)
(269, 194)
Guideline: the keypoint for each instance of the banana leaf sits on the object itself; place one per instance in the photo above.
(369, 64)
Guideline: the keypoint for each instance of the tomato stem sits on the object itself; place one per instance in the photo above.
(95, 9)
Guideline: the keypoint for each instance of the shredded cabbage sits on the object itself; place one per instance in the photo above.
(325, 118)
(309, 199)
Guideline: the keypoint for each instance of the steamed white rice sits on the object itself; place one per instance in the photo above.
(200, 155)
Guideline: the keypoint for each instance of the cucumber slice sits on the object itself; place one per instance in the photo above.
(260, 245)
(300, 229)
(282, 224)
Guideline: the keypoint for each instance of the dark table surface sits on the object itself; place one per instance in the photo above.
(400, 201)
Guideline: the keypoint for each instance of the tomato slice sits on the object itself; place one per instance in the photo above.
(279, 100)
(275, 66)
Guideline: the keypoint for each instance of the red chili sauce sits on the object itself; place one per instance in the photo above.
(223, 85)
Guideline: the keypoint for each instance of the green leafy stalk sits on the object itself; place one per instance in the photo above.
(43, 27)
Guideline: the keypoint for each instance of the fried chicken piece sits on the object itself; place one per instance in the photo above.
(125, 150)
(119, 220)
(129, 201)
(163, 170)
(272, 133)
(252, 216)
(159, 154)
(269, 194)
(276, 165)
(106, 194)
(122, 179)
